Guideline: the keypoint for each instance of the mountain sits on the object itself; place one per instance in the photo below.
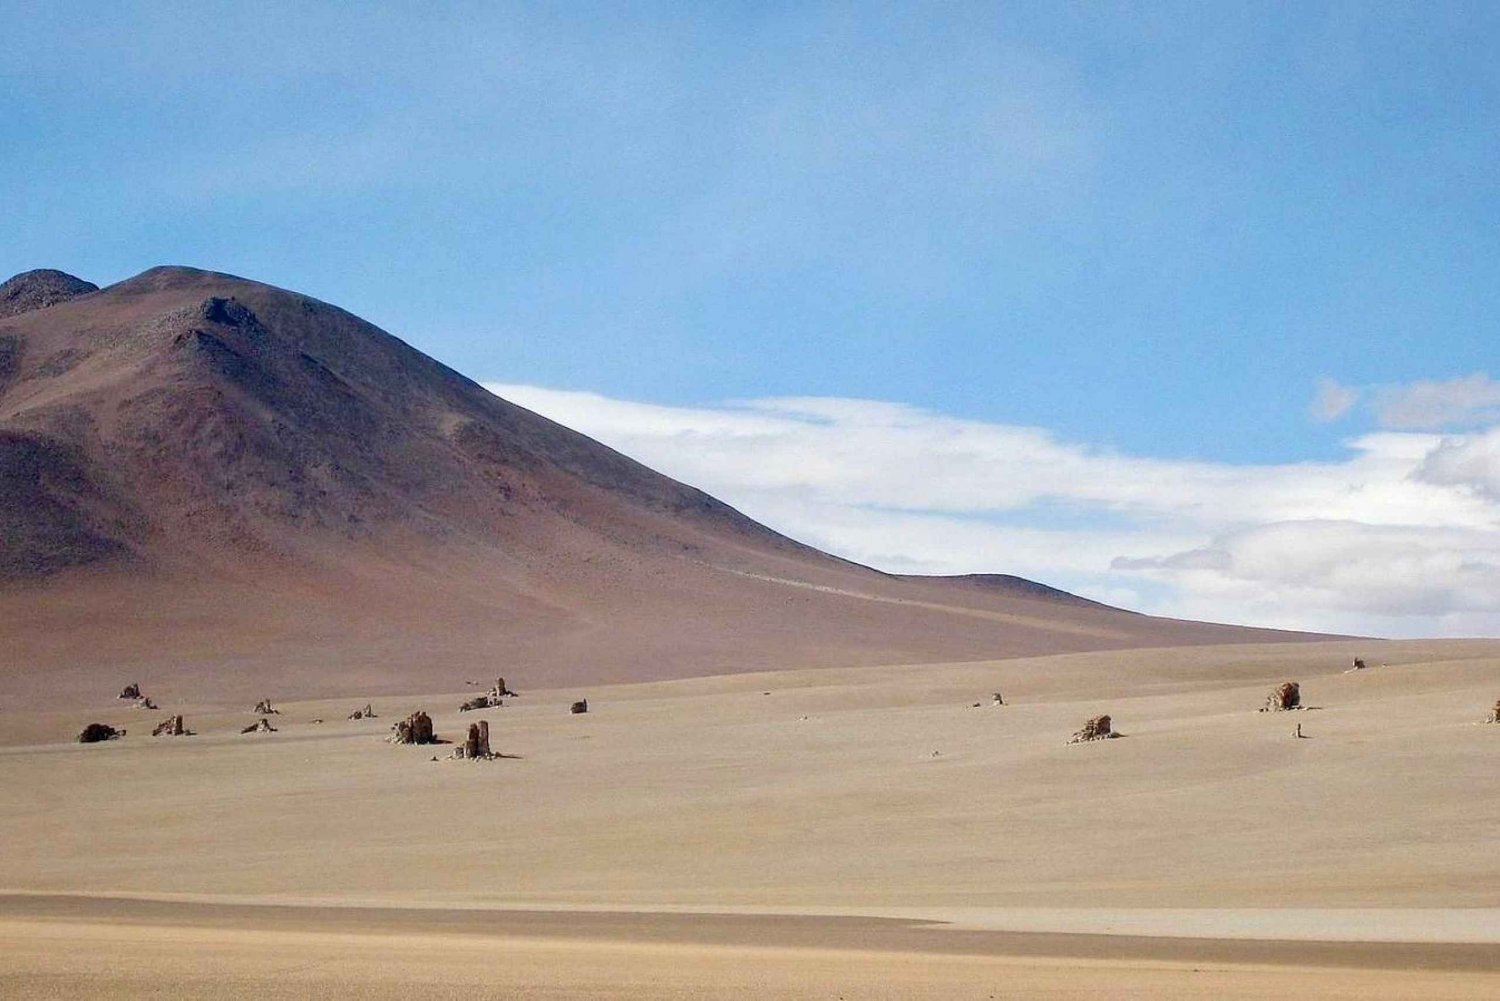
(223, 488)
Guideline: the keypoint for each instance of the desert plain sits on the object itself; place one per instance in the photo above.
(842, 833)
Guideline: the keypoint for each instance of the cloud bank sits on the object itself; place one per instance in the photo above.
(1399, 537)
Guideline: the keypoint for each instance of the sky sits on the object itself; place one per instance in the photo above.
(1185, 307)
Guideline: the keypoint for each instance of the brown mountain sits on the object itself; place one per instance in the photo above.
(224, 488)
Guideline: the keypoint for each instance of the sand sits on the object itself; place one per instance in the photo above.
(859, 832)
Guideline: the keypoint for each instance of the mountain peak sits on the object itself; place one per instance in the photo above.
(39, 289)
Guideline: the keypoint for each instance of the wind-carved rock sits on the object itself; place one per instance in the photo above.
(476, 745)
(171, 727)
(415, 729)
(1097, 728)
(265, 708)
(131, 691)
(581, 706)
(96, 732)
(365, 713)
(264, 726)
(1285, 696)
(492, 699)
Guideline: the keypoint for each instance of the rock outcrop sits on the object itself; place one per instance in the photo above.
(95, 732)
(171, 727)
(415, 729)
(1285, 696)
(265, 708)
(997, 700)
(264, 726)
(581, 706)
(476, 745)
(132, 692)
(145, 703)
(1097, 728)
(1494, 713)
(365, 713)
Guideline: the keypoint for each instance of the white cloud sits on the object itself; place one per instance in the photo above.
(1429, 404)
(1401, 537)
(1333, 400)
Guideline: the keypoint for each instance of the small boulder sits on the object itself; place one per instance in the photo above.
(131, 691)
(264, 708)
(1285, 696)
(581, 706)
(366, 713)
(1097, 728)
(171, 727)
(415, 729)
(997, 700)
(145, 703)
(96, 732)
(264, 726)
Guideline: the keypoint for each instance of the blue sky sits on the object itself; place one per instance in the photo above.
(1207, 239)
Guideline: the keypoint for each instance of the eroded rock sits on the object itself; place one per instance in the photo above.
(264, 726)
(1285, 696)
(132, 691)
(581, 706)
(171, 727)
(265, 708)
(415, 729)
(1097, 728)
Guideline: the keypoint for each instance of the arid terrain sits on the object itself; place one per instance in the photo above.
(793, 778)
(860, 832)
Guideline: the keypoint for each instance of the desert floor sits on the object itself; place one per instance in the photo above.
(850, 833)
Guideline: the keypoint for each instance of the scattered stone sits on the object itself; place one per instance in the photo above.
(264, 726)
(318, 720)
(265, 708)
(976, 705)
(171, 727)
(1298, 732)
(365, 713)
(1097, 728)
(476, 747)
(145, 703)
(415, 729)
(501, 691)
(95, 732)
(581, 706)
(997, 700)
(1285, 696)
(132, 691)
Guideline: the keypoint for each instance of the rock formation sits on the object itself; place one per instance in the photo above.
(265, 708)
(581, 706)
(1097, 728)
(477, 745)
(1359, 665)
(264, 726)
(145, 703)
(1494, 713)
(1287, 695)
(365, 713)
(95, 732)
(415, 729)
(171, 727)
(997, 701)
(131, 691)
(500, 691)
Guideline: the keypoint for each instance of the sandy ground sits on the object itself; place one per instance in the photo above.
(806, 794)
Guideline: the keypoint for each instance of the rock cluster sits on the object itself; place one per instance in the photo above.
(145, 703)
(365, 713)
(476, 745)
(171, 727)
(265, 708)
(1287, 695)
(95, 732)
(415, 729)
(264, 726)
(1097, 728)
(581, 706)
(489, 700)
